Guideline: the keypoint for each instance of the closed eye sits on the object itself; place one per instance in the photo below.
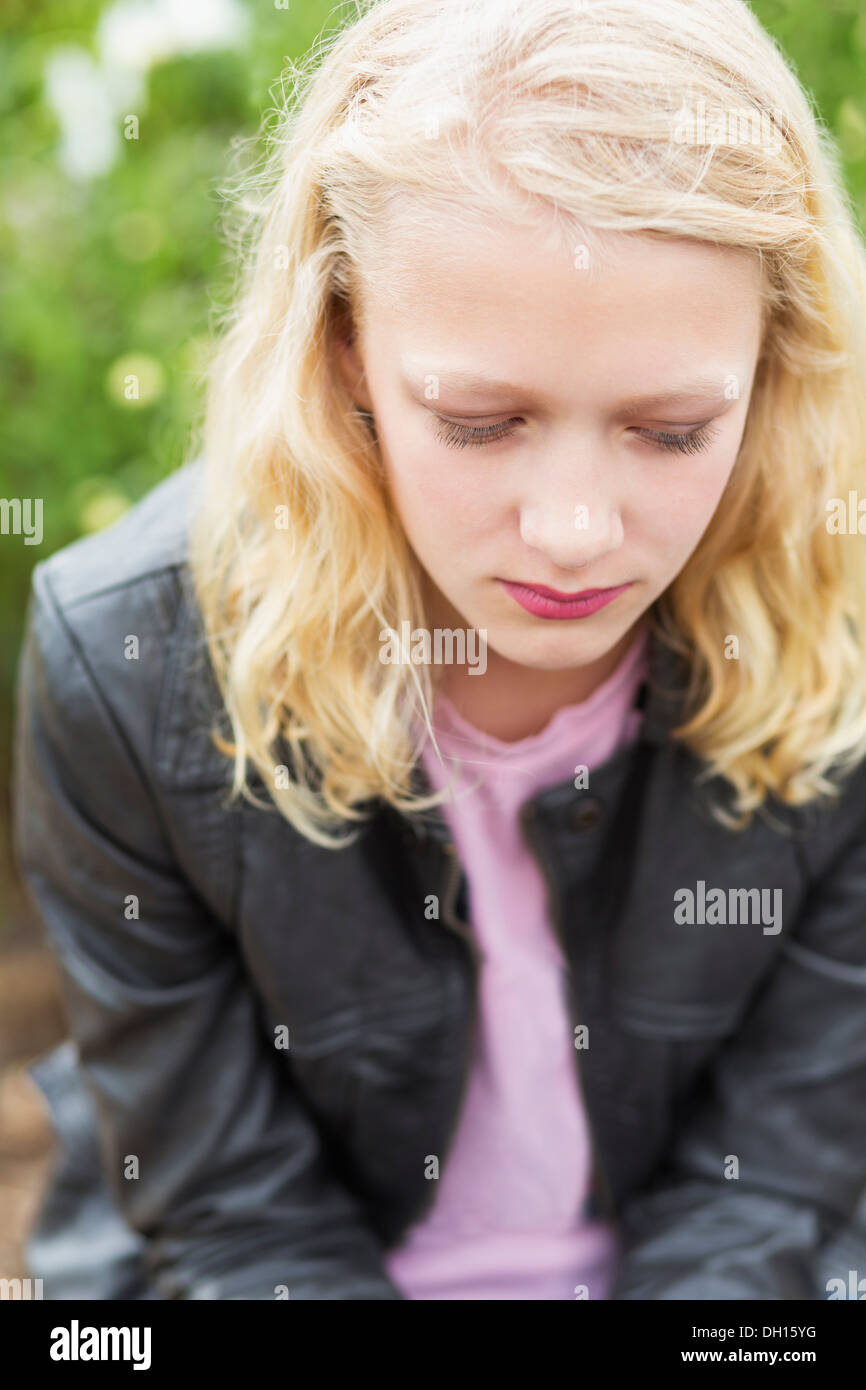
(456, 436)
(691, 443)
(460, 436)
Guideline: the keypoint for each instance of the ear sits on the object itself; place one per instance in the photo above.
(351, 368)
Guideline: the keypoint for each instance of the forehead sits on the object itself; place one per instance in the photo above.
(523, 299)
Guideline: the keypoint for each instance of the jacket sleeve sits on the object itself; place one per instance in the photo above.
(208, 1148)
(785, 1097)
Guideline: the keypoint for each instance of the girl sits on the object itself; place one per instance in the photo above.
(446, 795)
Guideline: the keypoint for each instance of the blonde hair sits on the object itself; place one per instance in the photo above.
(518, 107)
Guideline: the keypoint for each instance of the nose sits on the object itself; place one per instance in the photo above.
(571, 531)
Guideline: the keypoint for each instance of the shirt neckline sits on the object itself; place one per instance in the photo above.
(452, 727)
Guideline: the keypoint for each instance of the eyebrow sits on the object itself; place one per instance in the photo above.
(705, 387)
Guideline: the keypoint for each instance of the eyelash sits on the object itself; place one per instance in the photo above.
(456, 436)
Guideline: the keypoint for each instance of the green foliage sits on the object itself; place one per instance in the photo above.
(112, 276)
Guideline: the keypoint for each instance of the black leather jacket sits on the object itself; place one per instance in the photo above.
(187, 931)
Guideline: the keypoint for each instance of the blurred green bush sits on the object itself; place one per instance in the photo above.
(116, 273)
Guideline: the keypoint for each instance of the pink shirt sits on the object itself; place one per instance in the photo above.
(507, 1219)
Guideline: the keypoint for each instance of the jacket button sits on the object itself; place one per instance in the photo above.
(586, 814)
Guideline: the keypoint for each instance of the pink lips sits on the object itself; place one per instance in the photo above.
(551, 603)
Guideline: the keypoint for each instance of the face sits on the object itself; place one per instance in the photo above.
(548, 422)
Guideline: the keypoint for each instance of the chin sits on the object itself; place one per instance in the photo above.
(550, 655)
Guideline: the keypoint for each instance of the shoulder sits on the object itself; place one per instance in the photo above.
(150, 539)
(114, 623)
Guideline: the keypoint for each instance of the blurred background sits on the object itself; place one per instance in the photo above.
(118, 121)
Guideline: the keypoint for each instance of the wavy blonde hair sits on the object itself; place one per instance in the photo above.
(520, 107)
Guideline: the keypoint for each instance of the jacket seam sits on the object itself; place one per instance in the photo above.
(78, 599)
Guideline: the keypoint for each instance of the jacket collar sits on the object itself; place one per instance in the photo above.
(662, 695)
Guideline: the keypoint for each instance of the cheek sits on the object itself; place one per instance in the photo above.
(409, 467)
(677, 503)
(440, 490)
